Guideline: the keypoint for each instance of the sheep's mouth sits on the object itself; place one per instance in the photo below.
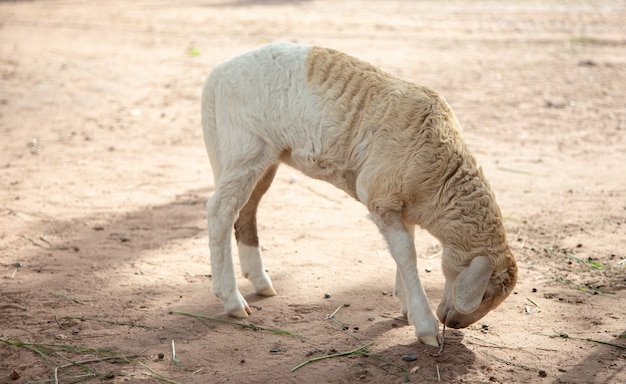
(451, 320)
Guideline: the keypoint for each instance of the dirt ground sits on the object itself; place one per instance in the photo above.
(104, 176)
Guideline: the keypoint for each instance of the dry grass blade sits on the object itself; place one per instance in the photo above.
(358, 351)
(580, 288)
(334, 313)
(531, 310)
(242, 325)
(513, 170)
(46, 351)
(113, 322)
(123, 358)
(157, 375)
(77, 301)
(566, 336)
(174, 358)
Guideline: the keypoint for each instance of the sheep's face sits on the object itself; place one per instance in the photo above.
(476, 290)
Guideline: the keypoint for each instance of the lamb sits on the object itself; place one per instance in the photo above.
(394, 146)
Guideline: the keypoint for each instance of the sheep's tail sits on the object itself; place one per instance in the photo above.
(209, 125)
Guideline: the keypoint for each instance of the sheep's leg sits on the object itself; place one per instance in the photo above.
(248, 240)
(402, 248)
(232, 193)
(399, 289)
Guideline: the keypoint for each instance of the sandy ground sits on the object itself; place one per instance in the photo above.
(103, 180)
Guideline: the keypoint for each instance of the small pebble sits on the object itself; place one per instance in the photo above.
(409, 357)
(274, 350)
(327, 296)
(161, 356)
(428, 270)
(534, 290)
(542, 373)
(356, 328)
(242, 361)
(18, 265)
(15, 375)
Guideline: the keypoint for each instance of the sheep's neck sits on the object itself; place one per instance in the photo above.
(465, 215)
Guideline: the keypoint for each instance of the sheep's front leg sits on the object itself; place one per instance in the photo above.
(402, 248)
(399, 289)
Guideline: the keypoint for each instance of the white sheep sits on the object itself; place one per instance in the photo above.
(393, 145)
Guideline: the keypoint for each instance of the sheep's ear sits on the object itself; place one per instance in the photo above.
(471, 285)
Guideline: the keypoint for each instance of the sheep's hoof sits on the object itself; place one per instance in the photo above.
(433, 341)
(241, 313)
(267, 291)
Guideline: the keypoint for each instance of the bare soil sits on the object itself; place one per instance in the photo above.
(104, 176)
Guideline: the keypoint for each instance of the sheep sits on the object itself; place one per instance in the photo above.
(394, 146)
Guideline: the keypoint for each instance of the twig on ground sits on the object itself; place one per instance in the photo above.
(344, 327)
(590, 263)
(358, 351)
(566, 336)
(56, 319)
(243, 325)
(332, 317)
(399, 318)
(334, 313)
(513, 170)
(528, 309)
(40, 349)
(35, 243)
(123, 358)
(174, 358)
(157, 375)
(77, 301)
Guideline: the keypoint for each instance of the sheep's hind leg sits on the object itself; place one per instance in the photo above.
(248, 240)
(232, 192)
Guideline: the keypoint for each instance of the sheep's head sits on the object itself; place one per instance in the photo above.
(477, 289)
